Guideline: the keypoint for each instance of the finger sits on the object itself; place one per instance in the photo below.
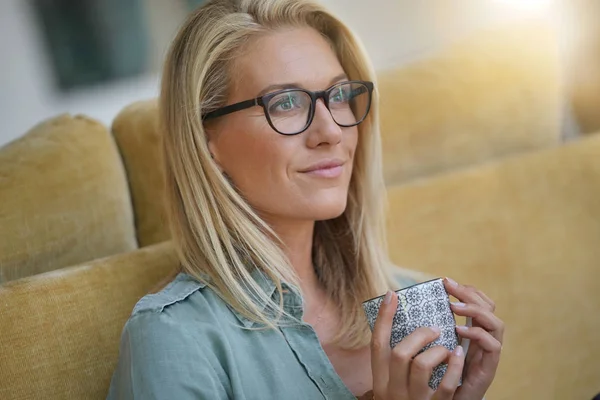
(463, 293)
(380, 342)
(447, 387)
(421, 370)
(478, 295)
(403, 354)
(490, 346)
(489, 301)
(484, 339)
(483, 317)
(484, 300)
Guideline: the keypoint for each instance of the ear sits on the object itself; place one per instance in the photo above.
(212, 148)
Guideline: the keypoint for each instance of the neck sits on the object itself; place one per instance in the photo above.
(297, 237)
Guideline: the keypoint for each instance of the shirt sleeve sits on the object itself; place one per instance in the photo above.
(159, 360)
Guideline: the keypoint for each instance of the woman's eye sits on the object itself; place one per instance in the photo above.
(340, 95)
(285, 103)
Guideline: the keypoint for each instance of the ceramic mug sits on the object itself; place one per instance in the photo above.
(423, 304)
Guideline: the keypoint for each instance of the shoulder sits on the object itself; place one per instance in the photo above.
(184, 305)
(169, 334)
(184, 311)
(180, 289)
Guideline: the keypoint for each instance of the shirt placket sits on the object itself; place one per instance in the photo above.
(305, 345)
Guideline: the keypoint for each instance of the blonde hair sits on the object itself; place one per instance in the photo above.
(219, 238)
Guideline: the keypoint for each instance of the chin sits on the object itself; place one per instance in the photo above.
(329, 208)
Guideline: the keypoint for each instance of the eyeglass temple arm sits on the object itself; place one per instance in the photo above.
(231, 109)
(360, 90)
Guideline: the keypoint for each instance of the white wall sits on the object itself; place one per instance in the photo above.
(396, 31)
(393, 31)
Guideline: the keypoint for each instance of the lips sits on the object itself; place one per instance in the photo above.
(326, 168)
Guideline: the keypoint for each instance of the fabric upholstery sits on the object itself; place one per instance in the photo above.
(64, 198)
(60, 330)
(527, 232)
(494, 93)
(137, 134)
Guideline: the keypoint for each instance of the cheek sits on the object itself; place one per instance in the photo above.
(353, 139)
(256, 159)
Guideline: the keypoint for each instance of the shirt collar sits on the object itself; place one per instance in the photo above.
(292, 299)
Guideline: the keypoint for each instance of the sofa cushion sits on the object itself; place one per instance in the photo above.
(64, 198)
(527, 232)
(138, 136)
(494, 93)
(60, 330)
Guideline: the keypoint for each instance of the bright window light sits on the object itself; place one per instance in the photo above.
(527, 5)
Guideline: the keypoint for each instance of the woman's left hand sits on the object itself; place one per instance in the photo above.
(485, 337)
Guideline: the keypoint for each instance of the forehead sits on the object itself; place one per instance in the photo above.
(291, 55)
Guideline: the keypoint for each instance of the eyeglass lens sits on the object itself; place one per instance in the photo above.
(290, 111)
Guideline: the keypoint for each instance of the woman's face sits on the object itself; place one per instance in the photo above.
(303, 177)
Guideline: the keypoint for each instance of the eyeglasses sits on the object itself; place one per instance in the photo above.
(291, 111)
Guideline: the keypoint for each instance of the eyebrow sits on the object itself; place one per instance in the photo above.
(296, 85)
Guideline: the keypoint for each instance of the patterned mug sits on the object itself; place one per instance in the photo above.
(423, 304)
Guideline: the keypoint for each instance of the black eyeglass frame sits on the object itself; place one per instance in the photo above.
(264, 100)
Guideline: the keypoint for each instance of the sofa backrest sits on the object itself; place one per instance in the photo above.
(64, 198)
(526, 231)
(137, 134)
(60, 330)
(491, 94)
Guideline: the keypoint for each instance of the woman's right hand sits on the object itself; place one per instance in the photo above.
(397, 373)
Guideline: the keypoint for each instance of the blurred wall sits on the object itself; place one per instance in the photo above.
(392, 31)
(397, 31)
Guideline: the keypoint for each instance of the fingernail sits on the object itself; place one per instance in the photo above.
(459, 351)
(451, 282)
(459, 304)
(388, 297)
(462, 328)
(435, 329)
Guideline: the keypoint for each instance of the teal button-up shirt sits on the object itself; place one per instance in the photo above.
(184, 343)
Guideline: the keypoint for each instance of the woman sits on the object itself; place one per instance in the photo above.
(275, 193)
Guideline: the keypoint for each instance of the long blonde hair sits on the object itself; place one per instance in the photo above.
(219, 238)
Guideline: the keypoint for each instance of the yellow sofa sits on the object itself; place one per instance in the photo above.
(526, 231)
(64, 198)
(491, 95)
(60, 330)
(83, 239)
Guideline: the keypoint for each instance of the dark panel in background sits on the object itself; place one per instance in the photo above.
(93, 41)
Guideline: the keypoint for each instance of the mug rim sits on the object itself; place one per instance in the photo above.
(406, 288)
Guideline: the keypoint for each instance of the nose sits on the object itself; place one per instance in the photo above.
(323, 129)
